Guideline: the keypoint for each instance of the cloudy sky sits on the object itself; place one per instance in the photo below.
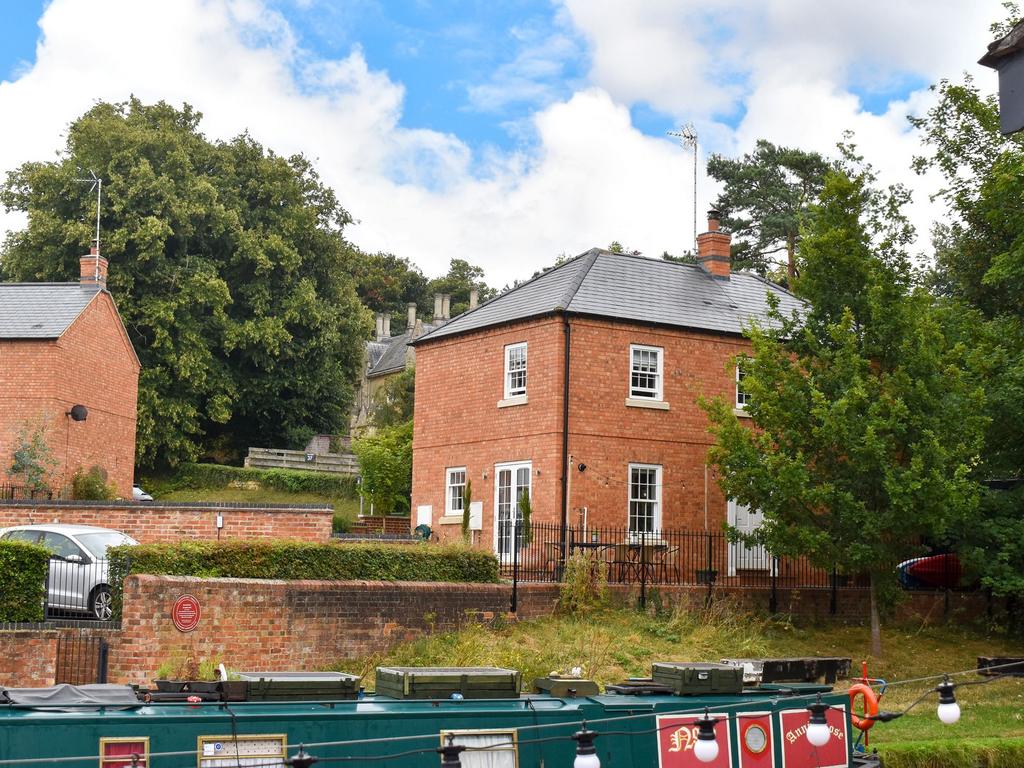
(504, 132)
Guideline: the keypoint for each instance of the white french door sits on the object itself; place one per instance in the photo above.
(741, 556)
(511, 481)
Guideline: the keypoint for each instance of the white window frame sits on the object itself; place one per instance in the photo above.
(449, 486)
(510, 391)
(743, 398)
(480, 739)
(656, 502)
(513, 467)
(644, 393)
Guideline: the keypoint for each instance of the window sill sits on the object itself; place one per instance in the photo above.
(638, 402)
(508, 402)
(741, 412)
(450, 520)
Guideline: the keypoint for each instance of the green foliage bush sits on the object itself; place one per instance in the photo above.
(92, 485)
(303, 560)
(200, 476)
(385, 461)
(585, 584)
(22, 581)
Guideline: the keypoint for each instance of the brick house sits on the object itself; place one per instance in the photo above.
(621, 442)
(68, 367)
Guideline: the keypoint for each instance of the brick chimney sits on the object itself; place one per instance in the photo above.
(713, 248)
(93, 269)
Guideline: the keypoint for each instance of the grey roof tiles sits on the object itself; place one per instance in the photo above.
(633, 288)
(41, 310)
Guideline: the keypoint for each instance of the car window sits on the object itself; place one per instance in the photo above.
(60, 545)
(30, 537)
(98, 543)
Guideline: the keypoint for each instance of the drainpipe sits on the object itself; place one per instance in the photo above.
(565, 444)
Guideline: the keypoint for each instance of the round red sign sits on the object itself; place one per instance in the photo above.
(185, 613)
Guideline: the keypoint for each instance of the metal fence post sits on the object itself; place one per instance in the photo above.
(773, 601)
(643, 571)
(710, 569)
(515, 566)
(102, 659)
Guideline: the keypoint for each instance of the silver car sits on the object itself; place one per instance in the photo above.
(78, 581)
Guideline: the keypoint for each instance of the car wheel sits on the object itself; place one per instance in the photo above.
(101, 603)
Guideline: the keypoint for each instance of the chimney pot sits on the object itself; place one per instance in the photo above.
(446, 309)
(92, 269)
(387, 325)
(474, 298)
(379, 332)
(438, 315)
(410, 318)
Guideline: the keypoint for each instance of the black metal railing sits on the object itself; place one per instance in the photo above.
(9, 492)
(78, 587)
(81, 660)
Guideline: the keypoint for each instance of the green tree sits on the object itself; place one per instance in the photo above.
(387, 283)
(767, 194)
(393, 403)
(979, 275)
(460, 279)
(385, 463)
(228, 266)
(32, 460)
(866, 424)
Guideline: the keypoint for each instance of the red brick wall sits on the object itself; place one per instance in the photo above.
(92, 364)
(258, 625)
(175, 522)
(458, 423)
(27, 658)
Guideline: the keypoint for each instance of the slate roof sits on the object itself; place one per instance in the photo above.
(388, 356)
(41, 310)
(634, 288)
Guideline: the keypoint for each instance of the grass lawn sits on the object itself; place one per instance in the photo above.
(615, 644)
(345, 509)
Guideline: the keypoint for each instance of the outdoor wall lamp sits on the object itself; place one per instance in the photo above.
(78, 413)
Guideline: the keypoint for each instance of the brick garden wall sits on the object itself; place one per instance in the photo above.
(255, 624)
(27, 658)
(263, 624)
(152, 522)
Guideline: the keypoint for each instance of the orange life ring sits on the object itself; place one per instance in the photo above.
(866, 721)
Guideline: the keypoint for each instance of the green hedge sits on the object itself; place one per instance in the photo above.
(22, 581)
(955, 753)
(200, 476)
(302, 560)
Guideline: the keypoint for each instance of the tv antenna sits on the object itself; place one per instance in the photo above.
(687, 136)
(97, 184)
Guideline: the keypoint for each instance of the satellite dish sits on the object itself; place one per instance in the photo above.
(78, 413)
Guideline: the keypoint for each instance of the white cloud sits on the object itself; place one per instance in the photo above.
(591, 176)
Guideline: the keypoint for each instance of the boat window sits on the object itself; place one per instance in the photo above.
(117, 753)
(487, 749)
(265, 751)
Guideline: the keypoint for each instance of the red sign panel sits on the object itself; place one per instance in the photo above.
(756, 740)
(798, 752)
(677, 735)
(185, 613)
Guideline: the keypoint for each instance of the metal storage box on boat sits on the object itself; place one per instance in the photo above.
(565, 687)
(688, 678)
(300, 686)
(442, 682)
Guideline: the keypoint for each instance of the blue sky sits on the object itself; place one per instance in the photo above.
(509, 130)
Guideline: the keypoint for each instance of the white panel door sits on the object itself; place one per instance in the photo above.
(741, 556)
